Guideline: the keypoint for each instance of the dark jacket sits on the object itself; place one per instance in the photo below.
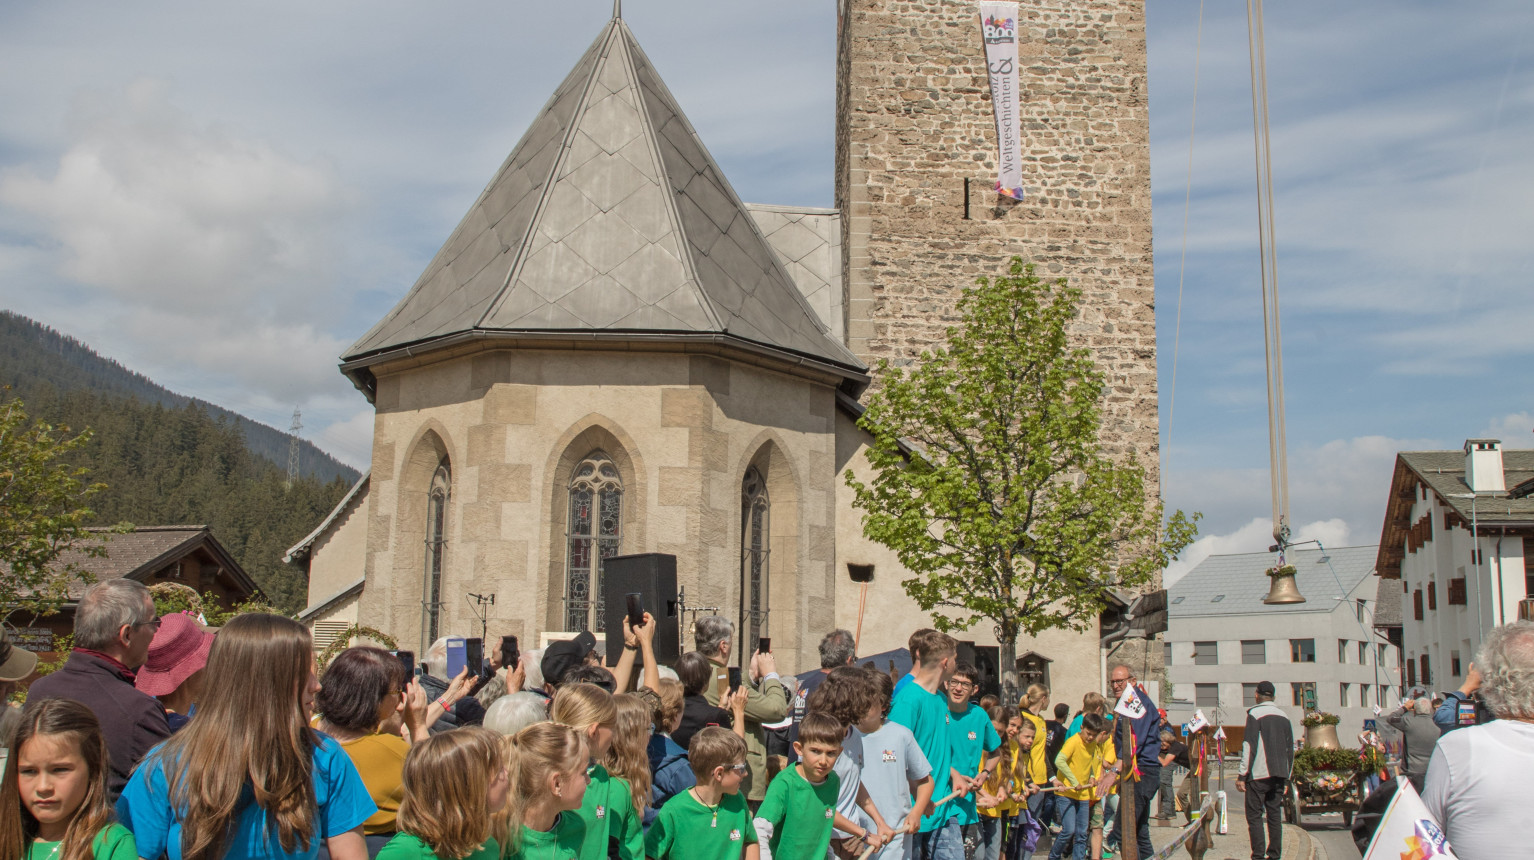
(670, 773)
(465, 712)
(131, 721)
(698, 714)
(1147, 731)
(1267, 752)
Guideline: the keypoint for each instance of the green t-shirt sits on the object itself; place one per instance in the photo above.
(114, 842)
(404, 846)
(562, 842)
(801, 815)
(927, 716)
(721, 833)
(973, 737)
(608, 810)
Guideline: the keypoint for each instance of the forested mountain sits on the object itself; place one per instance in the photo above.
(32, 354)
(171, 460)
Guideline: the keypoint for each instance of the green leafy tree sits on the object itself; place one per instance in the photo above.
(44, 510)
(991, 482)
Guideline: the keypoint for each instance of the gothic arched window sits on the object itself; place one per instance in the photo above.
(593, 534)
(436, 549)
(753, 558)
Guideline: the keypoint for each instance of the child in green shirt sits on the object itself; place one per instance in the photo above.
(608, 807)
(797, 815)
(546, 763)
(455, 784)
(709, 819)
(59, 776)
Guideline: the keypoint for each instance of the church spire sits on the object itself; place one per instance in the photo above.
(617, 9)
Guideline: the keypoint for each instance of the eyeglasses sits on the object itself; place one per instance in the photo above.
(740, 768)
(955, 682)
(154, 622)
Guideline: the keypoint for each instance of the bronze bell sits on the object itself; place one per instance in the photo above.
(1282, 589)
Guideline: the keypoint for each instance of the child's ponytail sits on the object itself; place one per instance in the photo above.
(531, 755)
(76, 724)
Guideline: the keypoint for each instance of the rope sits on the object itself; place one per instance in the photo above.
(1267, 249)
(1182, 267)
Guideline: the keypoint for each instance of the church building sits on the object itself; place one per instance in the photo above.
(613, 354)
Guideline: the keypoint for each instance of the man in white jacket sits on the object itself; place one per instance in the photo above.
(1267, 760)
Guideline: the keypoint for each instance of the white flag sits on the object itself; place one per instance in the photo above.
(1407, 829)
(998, 30)
(1129, 704)
(1198, 722)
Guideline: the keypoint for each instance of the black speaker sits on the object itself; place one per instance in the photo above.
(653, 576)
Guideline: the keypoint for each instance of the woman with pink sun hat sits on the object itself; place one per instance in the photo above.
(173, 672)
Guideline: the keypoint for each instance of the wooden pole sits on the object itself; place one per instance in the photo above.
(1129, 842)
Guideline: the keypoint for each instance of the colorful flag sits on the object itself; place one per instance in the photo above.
(1129, 704)
(998, 30)
(1407, 830)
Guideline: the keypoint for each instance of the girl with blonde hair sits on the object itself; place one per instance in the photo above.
(248, 777)
(455, 783)
(608, 809)
(53, 801)
(628, 757)
(546, 767)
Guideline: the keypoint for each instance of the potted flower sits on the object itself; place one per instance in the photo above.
(1321, 730)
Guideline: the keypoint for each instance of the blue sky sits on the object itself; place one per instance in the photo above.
(224, 197)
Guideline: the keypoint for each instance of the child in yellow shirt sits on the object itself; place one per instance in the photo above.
(1077, 767)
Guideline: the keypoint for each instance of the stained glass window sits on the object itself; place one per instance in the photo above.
(436, 549)
(753, 558)
(594, 532)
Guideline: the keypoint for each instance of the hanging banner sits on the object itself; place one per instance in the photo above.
(1407, 830)
(998, 29)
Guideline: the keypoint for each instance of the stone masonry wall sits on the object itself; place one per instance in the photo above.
(914, 120)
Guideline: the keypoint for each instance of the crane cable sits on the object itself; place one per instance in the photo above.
(1273, 341)
(1182, 267)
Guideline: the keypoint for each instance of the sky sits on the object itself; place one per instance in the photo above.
(225, 196)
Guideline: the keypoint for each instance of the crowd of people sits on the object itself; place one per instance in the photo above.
(159, 739)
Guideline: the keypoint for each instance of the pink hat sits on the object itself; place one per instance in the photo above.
(179, 649)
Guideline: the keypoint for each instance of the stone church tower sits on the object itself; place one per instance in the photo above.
(614, 354)
(914, 123)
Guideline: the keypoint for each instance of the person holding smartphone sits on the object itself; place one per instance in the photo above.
(766, 699)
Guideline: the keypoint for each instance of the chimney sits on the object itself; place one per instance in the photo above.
(1483, 466)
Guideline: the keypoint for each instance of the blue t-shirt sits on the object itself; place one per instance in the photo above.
(926, 715)
(344, 803)
(973, 737)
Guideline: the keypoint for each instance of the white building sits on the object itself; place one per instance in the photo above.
(1458, 540)
(1222, 639)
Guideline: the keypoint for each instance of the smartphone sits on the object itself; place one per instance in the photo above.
(421, 669)
(764, 644)
(456, 658)
(474, 655)
(734, 678)
(407, 659)
(636, 609)
(509, 653)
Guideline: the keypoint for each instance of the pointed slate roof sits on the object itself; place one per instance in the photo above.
(609, 218)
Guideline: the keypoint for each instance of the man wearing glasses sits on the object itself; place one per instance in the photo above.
(1147, 745)
(114, 624)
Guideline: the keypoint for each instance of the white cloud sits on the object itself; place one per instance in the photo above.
(1514, 430)
(154, 207)
(1255, 536)
(350, 440)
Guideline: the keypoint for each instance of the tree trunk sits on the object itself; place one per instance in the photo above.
(1007, 658)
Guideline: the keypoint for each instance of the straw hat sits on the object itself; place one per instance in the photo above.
(179, 649)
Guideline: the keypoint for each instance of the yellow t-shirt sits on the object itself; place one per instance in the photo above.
(1110, 757)
(1009, 776)
(1037, 771)
(380, 761)
(1078, 764)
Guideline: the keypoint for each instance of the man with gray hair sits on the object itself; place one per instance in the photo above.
(115, 622)
(766, 700)
(1414, 720)
(837, 649)
(1478, 779)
